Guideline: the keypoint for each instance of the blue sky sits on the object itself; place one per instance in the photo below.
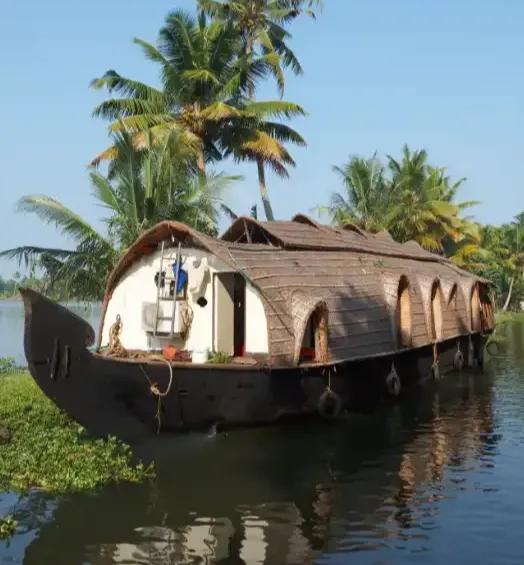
(446, 76)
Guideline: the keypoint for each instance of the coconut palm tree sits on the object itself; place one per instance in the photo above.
(261, 25)
(84, 269)
(506, 248)
(408, 198)
(368, 194)
(203, 101)
(145, 186)
(141, 188)
(424, 209)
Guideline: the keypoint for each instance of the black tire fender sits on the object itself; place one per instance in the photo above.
(458, 360)
(330, 404)
(393, 384)
(493, 348)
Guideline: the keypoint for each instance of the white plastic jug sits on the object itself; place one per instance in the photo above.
(200, 355)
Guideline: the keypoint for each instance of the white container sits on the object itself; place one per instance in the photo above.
(200, 355)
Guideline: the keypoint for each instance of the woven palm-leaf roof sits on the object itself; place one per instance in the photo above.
(300, 264)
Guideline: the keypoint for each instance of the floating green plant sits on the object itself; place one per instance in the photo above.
(43, 448)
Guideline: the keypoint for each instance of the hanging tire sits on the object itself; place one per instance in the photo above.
(492, 348)
(458, 360)
(393, 384)
(435, 372)
(330, 404)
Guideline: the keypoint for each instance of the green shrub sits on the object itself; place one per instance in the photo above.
(220, 357)
(7, 365)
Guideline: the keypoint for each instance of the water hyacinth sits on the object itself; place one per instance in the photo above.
(48, 451)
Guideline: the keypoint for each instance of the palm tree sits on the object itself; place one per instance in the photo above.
(83, 269)
(261, 25)
(145, 186)
(141, 188)
(368, 194)
(408, 198)
(506, 247)
(204, 99)
(468, 251)
(424, 210)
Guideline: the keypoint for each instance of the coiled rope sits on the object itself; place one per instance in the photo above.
(435, 370)
(116, 349)
(435, 354)
(153, 387)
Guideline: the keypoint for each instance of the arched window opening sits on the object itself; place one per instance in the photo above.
(486, 309)
(476, 323)
(403, 313)
(315, 340)
(436, 311)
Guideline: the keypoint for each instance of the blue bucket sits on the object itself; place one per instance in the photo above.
(182, 277)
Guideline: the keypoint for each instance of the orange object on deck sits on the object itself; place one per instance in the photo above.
(169, 352)
(308, 353)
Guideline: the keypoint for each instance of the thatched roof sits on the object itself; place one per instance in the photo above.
(304, 233)
(352, 273)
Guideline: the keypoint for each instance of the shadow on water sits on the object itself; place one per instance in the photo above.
(282, 495)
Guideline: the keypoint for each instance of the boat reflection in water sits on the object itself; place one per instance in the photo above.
(277, 496)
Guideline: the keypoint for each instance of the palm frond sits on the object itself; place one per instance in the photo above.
(51, 211)
(275, 109)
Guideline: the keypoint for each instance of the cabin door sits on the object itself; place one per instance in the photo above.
(230, 313)
(239, 322)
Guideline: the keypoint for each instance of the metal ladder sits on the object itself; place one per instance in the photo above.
(160, 298)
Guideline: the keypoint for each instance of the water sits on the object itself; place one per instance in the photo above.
(435, 479)
(12, 326)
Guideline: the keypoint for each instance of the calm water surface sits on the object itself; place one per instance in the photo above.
(12, 326)
(435, 479)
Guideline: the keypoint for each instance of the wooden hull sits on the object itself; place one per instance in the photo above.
(111, 396)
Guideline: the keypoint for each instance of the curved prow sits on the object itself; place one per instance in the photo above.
(48, 320)
(55, 343)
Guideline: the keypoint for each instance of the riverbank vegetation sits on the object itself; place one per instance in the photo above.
(167, 139)
(9, 287)
(40, 447)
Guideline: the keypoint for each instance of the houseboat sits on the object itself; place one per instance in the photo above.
(271, 320)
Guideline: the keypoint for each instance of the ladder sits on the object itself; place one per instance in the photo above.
(160, 298)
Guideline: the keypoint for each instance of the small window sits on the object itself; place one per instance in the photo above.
(436, 311)
(403, 313)
(475, 309)
(315, 341)
(486, 309)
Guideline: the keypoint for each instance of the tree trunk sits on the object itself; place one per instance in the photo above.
(263, 190)
(508, 298)
(201, 163)
(260, 163)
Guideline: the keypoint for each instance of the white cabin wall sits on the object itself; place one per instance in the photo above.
(256, 322)
(137, 285)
